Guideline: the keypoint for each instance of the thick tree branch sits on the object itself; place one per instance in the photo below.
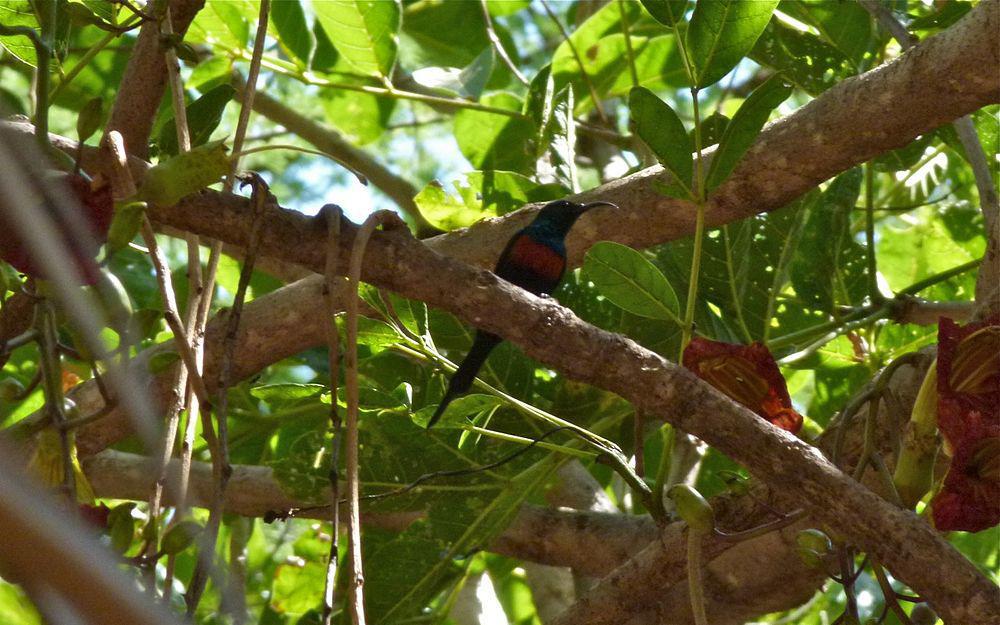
(591, 542)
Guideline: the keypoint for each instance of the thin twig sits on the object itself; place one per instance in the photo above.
(628, 43)
(388, 219)
(579, 61)
(176, 87)
(761, 530)
(180, 397)
(889, 594)
(204, 287)
(696, 587)
(221, 468)
(52, 386)
(170, 314)
(498, 45)
(638, 439)
(333, 217)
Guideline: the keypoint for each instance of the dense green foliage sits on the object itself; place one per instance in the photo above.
(420, 87)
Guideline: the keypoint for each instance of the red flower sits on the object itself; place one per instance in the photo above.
(968, 385)
(748, 375)
(98, 210)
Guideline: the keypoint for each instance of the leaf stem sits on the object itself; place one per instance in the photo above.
(930, 281)
(278, 67)
(491, 33)
(696, 588)
(88, 56)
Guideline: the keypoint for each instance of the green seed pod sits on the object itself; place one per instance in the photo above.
(813, 547)
(814, 539)
(914, 468)
(693, 508)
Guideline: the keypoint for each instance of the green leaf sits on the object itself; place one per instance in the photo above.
(363, 31)
(289, 21)
(744, 273)
(375, 334)
(606, 21)
(496, 141)
(846, 26)
(19, 13)
(226, 23)
(480, 195)
(184, 174)
(662, 130)
(361, 117)
(444, 34)
(658, 64)
(742, 131)
(325, 57)
(538, 102)
(203, 117)
(104, 9)
(121, 527)
(210, 73)
(666, 12)
(721, 33)
(300, 462)
(161, 361)
(89, 119)
(457, 413)
(404, 571)
(941, 17)
(802, 57)
(834, 269)
(628, 279)
(500, 8)
(287, 393)
(712, 129)
(236, 16)
(469, 82)
(125, 225)
(560, 136)
(920, 248)
(605, 58)
(297, 589)
(180, 537)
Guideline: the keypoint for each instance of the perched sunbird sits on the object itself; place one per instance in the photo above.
(535, 260)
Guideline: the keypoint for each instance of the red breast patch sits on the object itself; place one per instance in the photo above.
(537, 257)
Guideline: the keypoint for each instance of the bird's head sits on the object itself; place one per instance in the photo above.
(562, 214)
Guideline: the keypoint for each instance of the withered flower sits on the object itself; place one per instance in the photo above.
(968, 385)
(748, 375)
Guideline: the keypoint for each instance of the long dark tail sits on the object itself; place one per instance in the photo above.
(462, 380)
